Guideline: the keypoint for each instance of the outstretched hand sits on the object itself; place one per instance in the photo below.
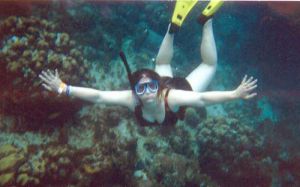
(244, 90)
(51, 81)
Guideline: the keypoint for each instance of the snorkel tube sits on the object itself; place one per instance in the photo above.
(123, 57)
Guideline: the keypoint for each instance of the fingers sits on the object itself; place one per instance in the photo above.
(244, 79)
(44, 78)
(251, 95)
(56, 73)
(252, 83)
(249, 80)
(248, 89)
(51, 80)
(47, 87)
(47, 75)
(50, 74)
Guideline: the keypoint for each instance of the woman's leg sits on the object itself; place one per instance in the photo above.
(200, 77)
(164, 56)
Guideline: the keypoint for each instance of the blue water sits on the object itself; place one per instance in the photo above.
(51, 140)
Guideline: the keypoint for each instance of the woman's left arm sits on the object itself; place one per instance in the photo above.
(188, 98)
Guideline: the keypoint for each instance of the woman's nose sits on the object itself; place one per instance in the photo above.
(147, 91)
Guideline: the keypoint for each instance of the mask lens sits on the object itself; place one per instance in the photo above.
(153, 86)
(140, 89)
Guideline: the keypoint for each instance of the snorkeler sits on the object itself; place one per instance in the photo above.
(156, 97)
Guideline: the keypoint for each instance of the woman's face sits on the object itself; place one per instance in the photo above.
(146, 89)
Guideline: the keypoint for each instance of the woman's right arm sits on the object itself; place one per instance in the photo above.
(123, 98)
(53, 83)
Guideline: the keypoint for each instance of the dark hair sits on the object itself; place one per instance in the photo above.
(139, 74)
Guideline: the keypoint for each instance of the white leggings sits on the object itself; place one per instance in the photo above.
(201, 76)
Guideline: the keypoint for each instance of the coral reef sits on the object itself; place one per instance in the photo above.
(10, 159)
(176, 170)
(54, 164)
(288, 10)
(232, 153)
(218, 151)
(28, 46)
(13, 7)
(289, 169)
(104, 146)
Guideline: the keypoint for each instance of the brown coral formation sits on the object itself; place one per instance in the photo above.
(176, 170)
(233, 153)
(112, 163)
(63, 165)
(28, 46)
(10, 159)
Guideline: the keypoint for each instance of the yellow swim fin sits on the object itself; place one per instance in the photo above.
(212, 7)
(182, 9)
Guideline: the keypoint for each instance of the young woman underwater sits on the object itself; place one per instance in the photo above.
(156, 97)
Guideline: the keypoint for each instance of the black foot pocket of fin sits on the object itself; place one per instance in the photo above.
(209, 11)
(173, 28)
(202, 19)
